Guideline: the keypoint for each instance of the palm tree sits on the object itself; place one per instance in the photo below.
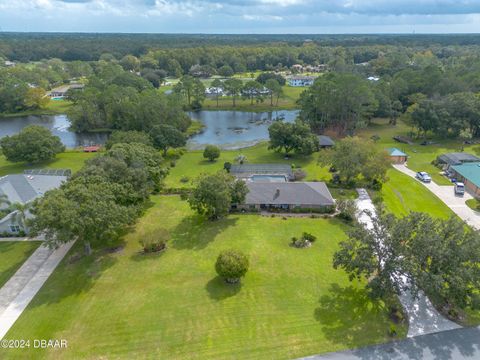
(20, 214)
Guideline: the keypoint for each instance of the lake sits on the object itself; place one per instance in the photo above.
(227, 129)
(235, 129)
(57, 124)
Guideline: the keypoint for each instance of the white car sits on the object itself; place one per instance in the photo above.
(423, 176)
(459, 188)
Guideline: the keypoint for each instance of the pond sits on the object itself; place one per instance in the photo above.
(57, 124)
(227, 129)
(235, 129)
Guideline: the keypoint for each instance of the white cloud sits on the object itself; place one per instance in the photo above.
(238, 15)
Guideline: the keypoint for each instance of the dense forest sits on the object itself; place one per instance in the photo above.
(430, 81)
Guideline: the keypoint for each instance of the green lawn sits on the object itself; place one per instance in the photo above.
(71, 159)
(192, 164)
(402, 194)
(287, 102)
(53, 107)
(12, 255)
(126, 305)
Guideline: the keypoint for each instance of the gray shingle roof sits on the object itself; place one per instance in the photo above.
(457, 158)
(23, 188)
(324, 140)
(289, 193)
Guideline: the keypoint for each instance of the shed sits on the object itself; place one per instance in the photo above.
(325, 141)
(397, 156)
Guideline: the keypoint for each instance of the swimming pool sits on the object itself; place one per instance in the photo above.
(268, 178)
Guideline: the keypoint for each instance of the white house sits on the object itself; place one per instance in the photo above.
(23, 189)
(301, 81)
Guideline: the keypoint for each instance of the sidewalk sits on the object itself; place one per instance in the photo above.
(22, 287)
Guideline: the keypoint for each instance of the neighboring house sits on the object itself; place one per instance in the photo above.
(23, 189)
(373, 78)
(298, 81)
(325, 141)
(288, 196)
(459, 158)
(469, 174)
(263, 172)
(61, 91)
(397, 156)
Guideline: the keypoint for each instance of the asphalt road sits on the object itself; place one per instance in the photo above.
(455, 344)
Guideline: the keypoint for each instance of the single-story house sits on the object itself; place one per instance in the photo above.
(61, 91)
(297, 81)
(23, 189)
(265, 172)
(457, 158)
(469, 174)
(397, 156)
(325, 141)
(287, 196)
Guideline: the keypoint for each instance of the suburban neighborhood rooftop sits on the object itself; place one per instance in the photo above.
(289, 193)
(470, 171)
(23, 188)
(457, 158)
(395, 152)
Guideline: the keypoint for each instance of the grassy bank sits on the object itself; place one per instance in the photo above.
(54, 107)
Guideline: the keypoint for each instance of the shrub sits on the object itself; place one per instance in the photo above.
(154, 241)
(299, 174)
(232, 265)
(184, 179)
(173, 163)
(305, 241)
(309, 237)
(375, 185)
(211, 152)
(346, 209)
(392, 331)
(227, 166)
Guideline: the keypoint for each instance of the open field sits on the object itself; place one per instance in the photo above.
(71, 159)
(12, 255)
(173, 306)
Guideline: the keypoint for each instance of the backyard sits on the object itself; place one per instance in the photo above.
(70, 159)
(290, 304)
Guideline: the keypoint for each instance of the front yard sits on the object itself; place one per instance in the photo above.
(12, 255)
(121, 304)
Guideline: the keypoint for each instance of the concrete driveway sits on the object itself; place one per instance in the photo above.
(447, 195)
(423, 318)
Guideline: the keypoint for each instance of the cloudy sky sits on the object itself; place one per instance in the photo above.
(242, 16)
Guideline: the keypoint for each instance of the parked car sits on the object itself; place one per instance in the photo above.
(459, 188)
(423, 176)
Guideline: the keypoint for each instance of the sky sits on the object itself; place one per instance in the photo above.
(242, 16)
